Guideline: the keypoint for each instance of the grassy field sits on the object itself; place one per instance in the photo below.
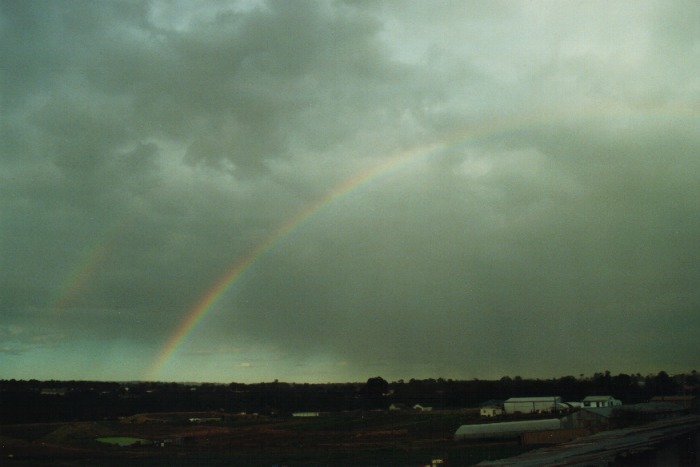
(123, 440)
(352, 438)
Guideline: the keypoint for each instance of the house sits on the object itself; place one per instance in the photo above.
(599, 401)
(306, 414)
(490, 411)
(533, 404)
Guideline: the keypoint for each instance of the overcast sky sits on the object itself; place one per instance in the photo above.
(533, 206)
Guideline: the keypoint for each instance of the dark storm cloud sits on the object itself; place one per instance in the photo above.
(245, 88)
(590, 240)
(107, 107)
(147, 147)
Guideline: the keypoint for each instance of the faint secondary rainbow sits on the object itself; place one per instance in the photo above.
(371, 175)
(87, 269)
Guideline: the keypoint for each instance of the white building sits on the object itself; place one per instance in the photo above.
(599, 401)
(533, 404)
(490, 411)
(505, 430)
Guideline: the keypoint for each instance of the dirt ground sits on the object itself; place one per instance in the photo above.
(174, 440)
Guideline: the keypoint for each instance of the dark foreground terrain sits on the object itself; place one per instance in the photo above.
(173, 439)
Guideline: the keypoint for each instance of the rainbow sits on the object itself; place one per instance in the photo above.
(207, 301)
(371, 175)
(87, 269)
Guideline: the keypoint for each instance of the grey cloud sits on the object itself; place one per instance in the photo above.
(241, 88)
(143, 156)
(520, 271)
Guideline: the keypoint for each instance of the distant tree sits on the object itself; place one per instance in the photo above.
(663, 385)
(376, 387)
(568, 388)
(602, 383)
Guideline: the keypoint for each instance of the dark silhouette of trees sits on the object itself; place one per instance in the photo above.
(662, 384)
(374, 392)
(48, 401)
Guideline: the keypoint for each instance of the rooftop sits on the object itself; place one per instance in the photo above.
(606, 446)
(597, 398)
(533, 399)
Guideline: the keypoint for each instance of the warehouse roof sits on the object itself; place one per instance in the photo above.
(506, 429)
(604, 447)
(533, 399)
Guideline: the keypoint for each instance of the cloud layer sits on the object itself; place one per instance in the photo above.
(546, 222)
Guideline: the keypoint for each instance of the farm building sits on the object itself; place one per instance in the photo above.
(533, 404)
(505, 430)
(490, 411)
(599, 401)
(594, 418)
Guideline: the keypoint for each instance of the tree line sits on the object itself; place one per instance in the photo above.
(25, 401)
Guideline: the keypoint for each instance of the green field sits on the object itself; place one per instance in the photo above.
(123, 440)
(347, 438)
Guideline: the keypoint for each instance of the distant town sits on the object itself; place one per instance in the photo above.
(461, 419)
(25, 401)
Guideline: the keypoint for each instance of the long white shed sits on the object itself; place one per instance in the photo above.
(505, 430)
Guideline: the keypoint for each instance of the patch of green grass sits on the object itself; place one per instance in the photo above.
(123, 440)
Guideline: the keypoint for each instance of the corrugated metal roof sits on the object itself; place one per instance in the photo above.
(485, 430)
(604, 447)
(533, 399)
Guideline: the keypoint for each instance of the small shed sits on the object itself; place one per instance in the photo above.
(490, 411)
(600, 401)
